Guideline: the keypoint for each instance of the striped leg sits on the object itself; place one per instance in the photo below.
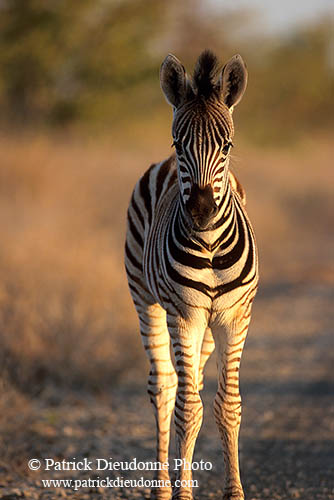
(162, 383)
(187, 341)
(227, 405)
(208, 347)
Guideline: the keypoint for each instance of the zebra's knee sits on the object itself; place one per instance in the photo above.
(162, 388)
(189, 408)
(227, 412)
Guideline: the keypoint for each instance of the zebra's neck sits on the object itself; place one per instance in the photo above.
(220, 229)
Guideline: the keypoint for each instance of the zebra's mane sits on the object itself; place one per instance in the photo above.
(205, 74)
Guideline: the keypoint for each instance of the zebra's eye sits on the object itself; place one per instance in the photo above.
(226, 148)
(178, 146)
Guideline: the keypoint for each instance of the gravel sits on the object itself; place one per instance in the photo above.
(287, 430)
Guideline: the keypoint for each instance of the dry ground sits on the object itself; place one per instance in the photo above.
(73, 371)
(287, 448)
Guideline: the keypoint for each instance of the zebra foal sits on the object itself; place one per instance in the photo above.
(191, 263)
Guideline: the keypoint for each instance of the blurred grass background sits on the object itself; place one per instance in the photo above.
(82, 116)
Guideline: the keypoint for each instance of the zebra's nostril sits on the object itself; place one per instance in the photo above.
(215, 209)
(201, 205)
(201, 198)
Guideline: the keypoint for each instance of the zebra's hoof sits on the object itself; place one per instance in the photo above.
(234, 494)
(161, 494)
(182, 496)
(234, 497)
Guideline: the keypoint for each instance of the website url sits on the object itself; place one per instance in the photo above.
(119, 482)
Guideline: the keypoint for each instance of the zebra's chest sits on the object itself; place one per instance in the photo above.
(186, 279)
(191, 276)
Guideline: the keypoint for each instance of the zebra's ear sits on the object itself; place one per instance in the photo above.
(174, 81)
(233, 81)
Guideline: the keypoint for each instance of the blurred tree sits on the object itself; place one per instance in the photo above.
(97, 61)
(34, 43)
(291, 90)
(60, 57)
(194, 25)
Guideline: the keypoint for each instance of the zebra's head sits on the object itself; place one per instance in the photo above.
(203, 129)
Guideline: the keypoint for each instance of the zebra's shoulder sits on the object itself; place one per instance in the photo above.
(159, 176)
(152, 185)
(166, 176)
(158, 173)
(237, 187)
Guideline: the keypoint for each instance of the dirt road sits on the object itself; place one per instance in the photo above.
(287, 436)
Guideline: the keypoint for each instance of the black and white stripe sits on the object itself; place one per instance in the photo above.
(191, 262)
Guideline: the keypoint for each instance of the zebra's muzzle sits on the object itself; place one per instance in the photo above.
(201, 206)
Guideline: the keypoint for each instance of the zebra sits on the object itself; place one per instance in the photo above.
(192, 267)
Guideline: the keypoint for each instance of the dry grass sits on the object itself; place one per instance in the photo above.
(63, 292)
(66, 318)
(290, 202)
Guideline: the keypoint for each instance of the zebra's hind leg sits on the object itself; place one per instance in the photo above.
(229, 341)
(162, 383)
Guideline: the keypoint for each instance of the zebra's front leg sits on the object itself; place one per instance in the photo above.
(162, 383)
(229, 342)
(187, 341)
